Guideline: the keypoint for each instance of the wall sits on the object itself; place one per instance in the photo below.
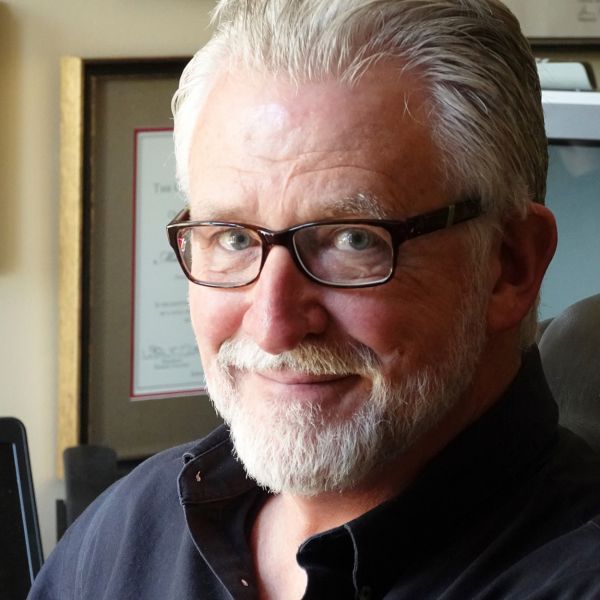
(33, 36)
(549, 18)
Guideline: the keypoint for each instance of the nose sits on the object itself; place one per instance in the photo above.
(284, 306)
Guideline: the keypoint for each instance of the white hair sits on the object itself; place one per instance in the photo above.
(484, 108)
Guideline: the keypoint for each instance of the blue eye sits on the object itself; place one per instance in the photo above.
(235, 239)
(354, 239)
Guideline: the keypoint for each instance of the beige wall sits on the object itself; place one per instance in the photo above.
(33, 36)
(551, 18)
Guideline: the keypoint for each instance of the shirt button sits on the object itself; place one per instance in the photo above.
(244, 582)
(365, 593)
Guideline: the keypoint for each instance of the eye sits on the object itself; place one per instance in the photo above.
(236, 239)
(355, 239)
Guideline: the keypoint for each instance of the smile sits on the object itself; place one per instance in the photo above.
(284, 377)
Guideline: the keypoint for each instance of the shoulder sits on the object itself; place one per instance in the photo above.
(572, 475)
(565, 566)
(152, 485)
(138, 520)
(559, 526)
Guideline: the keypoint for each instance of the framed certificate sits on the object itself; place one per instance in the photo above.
(164, 356)
(129, 373)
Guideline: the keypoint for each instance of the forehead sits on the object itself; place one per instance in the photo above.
(266, 140)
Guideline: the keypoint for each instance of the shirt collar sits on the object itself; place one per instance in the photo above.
(211, 473)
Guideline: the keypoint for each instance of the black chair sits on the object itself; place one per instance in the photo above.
(570, 350)
(89, 470)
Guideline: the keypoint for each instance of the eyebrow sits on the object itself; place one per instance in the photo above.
(355, 206)
(360, 204)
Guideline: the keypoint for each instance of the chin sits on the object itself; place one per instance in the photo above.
(302, 448)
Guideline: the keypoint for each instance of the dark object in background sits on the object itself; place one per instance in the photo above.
(89, 470)
(20, 543)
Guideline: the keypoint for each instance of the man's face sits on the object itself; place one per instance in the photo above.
(330, 380)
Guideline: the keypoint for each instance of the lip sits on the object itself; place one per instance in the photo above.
(340, 393)
(294, 378)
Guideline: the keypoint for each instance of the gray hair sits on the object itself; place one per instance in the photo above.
(484, 108)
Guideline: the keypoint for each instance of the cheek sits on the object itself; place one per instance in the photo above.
(406, 325)
(216, 315)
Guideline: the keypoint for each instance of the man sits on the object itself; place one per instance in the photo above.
(365, 243)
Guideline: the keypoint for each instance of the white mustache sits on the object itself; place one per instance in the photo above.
(307, 358)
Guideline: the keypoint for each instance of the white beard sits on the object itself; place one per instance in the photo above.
(302, 448)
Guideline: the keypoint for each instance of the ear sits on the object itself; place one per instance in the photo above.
(519, 262)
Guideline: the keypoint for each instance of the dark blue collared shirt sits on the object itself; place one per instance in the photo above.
(508, 510)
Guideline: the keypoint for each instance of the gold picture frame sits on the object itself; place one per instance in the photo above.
(103, 102)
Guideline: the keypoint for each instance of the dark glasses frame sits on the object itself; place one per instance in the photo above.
(400, 231)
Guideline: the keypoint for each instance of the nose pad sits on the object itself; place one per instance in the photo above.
(285, 306)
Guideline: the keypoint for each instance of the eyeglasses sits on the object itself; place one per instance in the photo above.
(347, 253)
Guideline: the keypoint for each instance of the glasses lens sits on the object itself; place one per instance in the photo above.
(345, 254)
(220, 255)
